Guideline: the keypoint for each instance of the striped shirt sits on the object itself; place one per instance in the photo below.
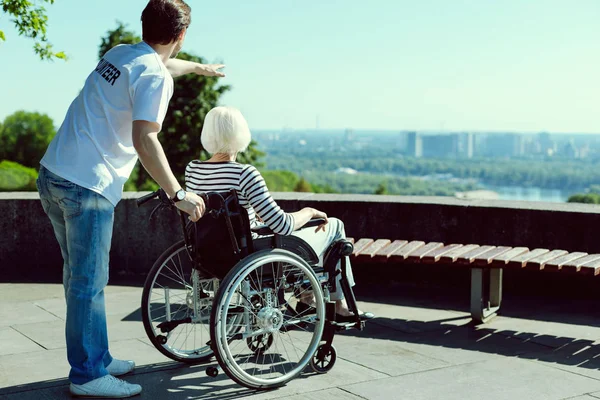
(250, 186)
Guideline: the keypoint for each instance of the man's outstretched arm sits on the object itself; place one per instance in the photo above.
(179, 67)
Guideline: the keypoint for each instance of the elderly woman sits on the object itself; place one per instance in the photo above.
(224, 135)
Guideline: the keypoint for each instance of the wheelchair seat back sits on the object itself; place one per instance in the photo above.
(222, 237)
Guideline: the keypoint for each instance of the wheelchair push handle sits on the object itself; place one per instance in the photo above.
(144, 199)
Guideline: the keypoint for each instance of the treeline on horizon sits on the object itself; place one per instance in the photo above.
(549, 173)
(24, 137)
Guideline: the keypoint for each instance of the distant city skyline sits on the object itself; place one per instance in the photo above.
(433, 65)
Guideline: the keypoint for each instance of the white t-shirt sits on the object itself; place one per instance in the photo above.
(94, 146)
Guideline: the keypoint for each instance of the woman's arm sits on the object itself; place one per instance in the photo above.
(306, 214)
(253, 187)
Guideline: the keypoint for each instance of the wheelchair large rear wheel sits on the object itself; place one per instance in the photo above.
(258, 338)
(176, 307)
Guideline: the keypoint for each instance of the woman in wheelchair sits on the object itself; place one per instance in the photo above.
(224, 135)
(247, 284)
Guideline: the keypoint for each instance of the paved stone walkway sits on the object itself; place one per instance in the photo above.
(419, 347)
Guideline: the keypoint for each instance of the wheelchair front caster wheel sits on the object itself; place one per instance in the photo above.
(323, 359)
(162, 339)
(212, 372)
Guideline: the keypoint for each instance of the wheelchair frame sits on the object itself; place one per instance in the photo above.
(269, 317)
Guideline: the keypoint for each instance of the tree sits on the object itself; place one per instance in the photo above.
(381, 189)
(193, 98)
(280, 181)
(590, 198)
(303, 186)
(120, 35)
(31, 21)
(25, 136)
(15, 178)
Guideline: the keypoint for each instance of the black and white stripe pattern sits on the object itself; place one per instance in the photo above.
(250, 186)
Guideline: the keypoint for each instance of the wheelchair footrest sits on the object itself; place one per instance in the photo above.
(344, 326)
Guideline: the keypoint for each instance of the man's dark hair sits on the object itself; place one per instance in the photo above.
(164, 20)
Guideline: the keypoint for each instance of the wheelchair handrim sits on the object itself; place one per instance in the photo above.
(316, 338)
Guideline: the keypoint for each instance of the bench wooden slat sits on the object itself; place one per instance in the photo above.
(416, 255)
(385, 252)
(452, 255)
(504, 258)
(469, 257)
(487, 257)
(370, 251)
(434, 256)
(557, 263)
(361, 245)
(591, 268)
(521, 260)
(404, 251)
(575, 265)
(539, 262)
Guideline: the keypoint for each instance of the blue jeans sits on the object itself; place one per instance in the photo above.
(83, 224)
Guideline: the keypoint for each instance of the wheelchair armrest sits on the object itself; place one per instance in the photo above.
(265, 230)
(313, 222)
(262, 230)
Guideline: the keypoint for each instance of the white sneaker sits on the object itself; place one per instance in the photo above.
(107, 386)
(120, 367)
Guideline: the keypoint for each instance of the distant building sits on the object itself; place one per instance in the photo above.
(466, 145)
(504, 145)
(414, 145)
(547, 145)
(349, 135)
(569, 150)
(440, 145)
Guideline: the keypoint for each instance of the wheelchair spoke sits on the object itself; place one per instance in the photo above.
(175, 291)
(269, 343)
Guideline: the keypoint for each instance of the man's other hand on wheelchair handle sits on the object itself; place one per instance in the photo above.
(192, 205)
(320, 214)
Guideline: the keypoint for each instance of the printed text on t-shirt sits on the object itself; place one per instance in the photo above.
(108, 71)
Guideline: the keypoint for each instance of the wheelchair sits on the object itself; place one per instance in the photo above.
(232, 291)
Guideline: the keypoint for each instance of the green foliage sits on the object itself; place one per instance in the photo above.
(369, 183)
(119, 35)
(15, 177)
(590, 198)
(303, 186)
(193, 98)
(31, 21)
(548, 174)
(322, 188)
(280, 181)
(381, 189)
(286, 181)
(25, 136)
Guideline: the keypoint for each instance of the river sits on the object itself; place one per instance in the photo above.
(531, 193)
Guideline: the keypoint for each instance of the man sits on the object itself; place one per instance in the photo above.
(114, 120)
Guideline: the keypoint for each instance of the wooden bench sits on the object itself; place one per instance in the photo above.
(486, 263)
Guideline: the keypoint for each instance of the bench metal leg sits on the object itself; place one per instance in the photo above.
(486, 293)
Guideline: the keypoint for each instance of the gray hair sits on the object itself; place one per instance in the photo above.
(225, 131)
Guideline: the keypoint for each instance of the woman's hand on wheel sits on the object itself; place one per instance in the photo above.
(321, 214)
(192, 205)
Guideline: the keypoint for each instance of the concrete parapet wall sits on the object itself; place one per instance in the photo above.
(28, 248)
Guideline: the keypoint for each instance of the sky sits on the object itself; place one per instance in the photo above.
(453, 65)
